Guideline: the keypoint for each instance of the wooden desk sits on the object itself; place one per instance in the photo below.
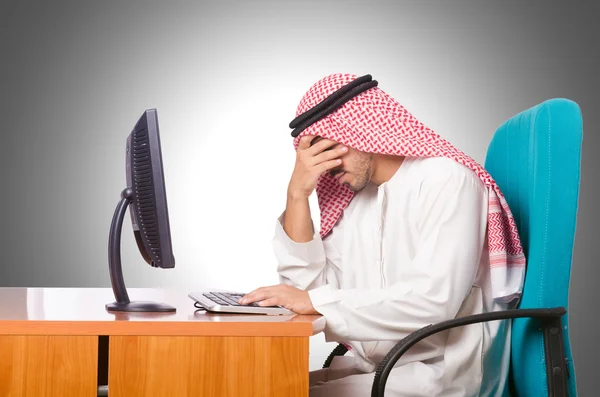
(63, 342)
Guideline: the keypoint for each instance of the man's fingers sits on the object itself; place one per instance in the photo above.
(330, 154)
(321, 146)
(257, 295)
(327, 165)
(252, 298)
(315, 140)
(269, 302)
(305, 141)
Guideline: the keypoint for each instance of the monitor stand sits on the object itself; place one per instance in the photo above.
(122, 303)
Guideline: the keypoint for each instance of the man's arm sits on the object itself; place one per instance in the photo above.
(301, 266)
(300, 252)
(314, 156)
(309, 264)
(297, 220)
(453, 220)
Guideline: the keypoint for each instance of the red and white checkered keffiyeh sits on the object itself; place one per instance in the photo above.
(374, 122)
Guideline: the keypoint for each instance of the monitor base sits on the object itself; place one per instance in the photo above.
(139, 306)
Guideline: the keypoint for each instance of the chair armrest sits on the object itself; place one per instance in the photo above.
(401, 347)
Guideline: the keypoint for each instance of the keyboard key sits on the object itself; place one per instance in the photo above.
(216, 299)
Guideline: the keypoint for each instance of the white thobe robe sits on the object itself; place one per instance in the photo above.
(403, 255)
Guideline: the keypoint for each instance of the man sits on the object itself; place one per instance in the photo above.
(413, 232)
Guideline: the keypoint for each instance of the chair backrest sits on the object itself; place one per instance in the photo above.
(535, 159)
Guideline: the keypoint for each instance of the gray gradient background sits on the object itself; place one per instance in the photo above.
(226, 78)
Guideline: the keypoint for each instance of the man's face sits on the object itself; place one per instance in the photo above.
(356, 168)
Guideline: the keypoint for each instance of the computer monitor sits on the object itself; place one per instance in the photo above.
(146, 197)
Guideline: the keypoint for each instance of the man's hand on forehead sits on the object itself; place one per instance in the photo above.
(314, 156)
(321, 144)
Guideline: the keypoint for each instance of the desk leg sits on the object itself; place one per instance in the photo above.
(184, 366)
(45, 366)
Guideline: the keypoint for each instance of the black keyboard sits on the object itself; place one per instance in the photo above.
(229, 299)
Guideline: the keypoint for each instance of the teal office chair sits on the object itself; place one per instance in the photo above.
(535, 159)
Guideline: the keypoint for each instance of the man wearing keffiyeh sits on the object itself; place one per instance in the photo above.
(413, 232)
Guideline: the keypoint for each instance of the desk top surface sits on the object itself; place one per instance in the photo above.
(81, 311)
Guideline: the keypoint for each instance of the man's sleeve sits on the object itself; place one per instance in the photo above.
(452, 217)
(304, 265)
